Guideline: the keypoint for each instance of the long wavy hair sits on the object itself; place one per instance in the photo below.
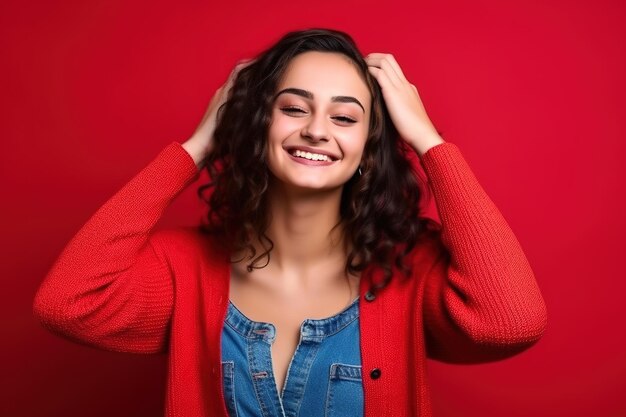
(379, 207)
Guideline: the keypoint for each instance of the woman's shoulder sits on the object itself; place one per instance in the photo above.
(185, 241)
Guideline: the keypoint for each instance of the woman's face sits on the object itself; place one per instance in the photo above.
(320, 122)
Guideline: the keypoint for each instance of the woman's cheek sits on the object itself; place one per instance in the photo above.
(354, 143)
(282, 125)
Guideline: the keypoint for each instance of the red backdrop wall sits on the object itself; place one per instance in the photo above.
(531, 92)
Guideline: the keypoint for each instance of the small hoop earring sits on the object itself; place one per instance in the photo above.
(360, 172)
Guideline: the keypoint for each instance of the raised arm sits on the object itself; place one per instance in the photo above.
(111, 287)
(482, 301)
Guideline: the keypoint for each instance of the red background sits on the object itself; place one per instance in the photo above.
(531, 92)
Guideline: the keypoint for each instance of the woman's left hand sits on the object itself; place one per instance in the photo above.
(403, 103)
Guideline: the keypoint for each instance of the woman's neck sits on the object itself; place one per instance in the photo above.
(302, 227)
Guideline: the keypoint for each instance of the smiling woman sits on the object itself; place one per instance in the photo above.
(313, 287)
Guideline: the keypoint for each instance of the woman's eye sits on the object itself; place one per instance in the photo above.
(292, 110)
(344, 119)
(297, 111)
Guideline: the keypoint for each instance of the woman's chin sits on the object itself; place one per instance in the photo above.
(307, 185)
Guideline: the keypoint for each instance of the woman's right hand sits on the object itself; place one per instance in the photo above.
(200, 144)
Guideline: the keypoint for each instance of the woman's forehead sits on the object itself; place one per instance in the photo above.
(325, 74)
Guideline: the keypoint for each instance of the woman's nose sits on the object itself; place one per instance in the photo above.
(316, 129)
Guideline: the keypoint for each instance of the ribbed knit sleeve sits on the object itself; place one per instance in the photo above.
(110, 288)
(482, 301)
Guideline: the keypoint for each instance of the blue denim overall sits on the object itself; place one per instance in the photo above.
(323, 379)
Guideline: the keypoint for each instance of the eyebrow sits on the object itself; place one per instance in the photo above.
(309, 95)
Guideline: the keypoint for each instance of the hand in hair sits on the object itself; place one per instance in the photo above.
(403, 103)
(200, 144)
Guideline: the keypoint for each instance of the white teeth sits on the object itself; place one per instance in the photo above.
(311, 156)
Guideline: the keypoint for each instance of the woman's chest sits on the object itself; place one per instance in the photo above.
(319, 370)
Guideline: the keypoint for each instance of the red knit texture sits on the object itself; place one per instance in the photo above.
(121, 285)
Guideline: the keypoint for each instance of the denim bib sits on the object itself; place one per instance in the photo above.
(323, 378)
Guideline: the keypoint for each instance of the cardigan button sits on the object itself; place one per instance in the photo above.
(375, 373)
(370, 296)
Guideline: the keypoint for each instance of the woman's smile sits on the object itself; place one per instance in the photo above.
(310, 156)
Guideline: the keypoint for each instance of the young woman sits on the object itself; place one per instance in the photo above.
(314, 287)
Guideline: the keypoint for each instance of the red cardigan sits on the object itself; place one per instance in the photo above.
(122, 286)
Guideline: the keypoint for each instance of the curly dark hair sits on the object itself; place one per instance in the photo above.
(379, 208)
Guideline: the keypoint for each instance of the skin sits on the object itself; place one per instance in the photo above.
(305, 276)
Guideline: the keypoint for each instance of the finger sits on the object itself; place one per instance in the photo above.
(235, 71)
(384, 63)
(382, 77)
(225, 90)
(243, 63)
(390, 60)
(414, 88)
(230, 80)
(239, 66)
(385, 68)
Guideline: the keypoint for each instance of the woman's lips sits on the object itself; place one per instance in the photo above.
(307, 155)
(309, 162)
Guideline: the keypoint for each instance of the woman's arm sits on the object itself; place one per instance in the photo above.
(481, 299)
(111, 287)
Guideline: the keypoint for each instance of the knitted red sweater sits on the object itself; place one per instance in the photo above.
(120, 285)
